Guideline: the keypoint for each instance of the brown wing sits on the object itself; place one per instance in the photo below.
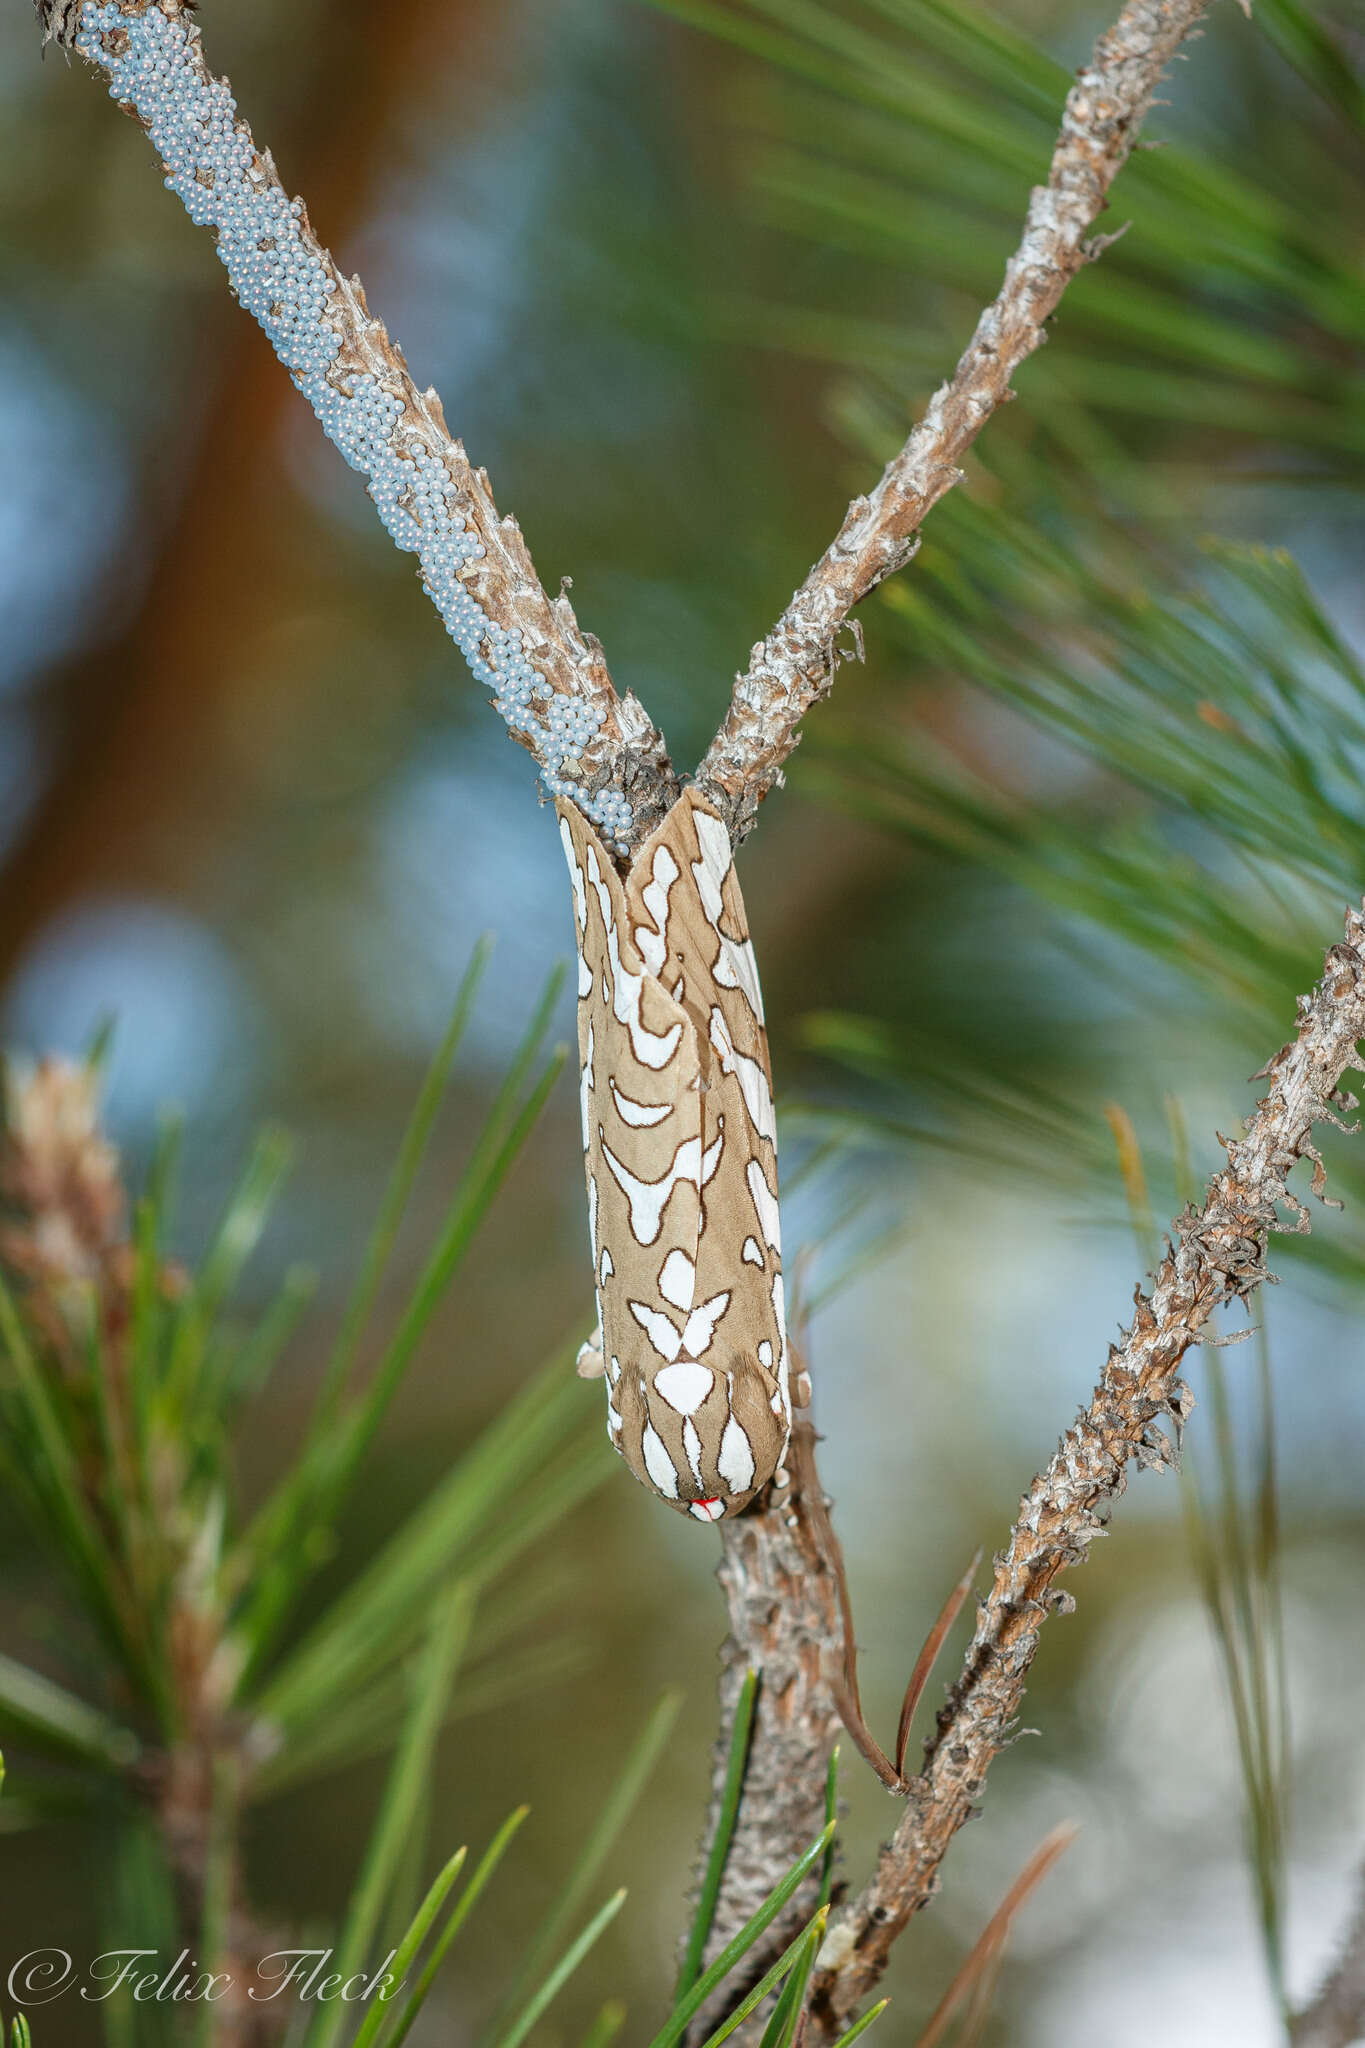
(681, 1162)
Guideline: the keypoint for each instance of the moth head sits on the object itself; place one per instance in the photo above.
(705, 1439)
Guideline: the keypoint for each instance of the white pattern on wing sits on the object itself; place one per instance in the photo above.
(753, 1082)
(783, 1367)
(735, 966)
(662, 1334)
(753, 1252)
(658, 1464)
(765, 1203)
(649, 1198)
(580, 904)
(641, 1116)
(685, 1385)
(678, 1279)
(587, 1081)
(651, 1048)
(607, 1266)
(653, 945)
(715, 864)
(580, 895)
(700, 1326)
(736, 1461)
(692, 1448)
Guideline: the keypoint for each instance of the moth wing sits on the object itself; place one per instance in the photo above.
(711, 973)
(640, 1065)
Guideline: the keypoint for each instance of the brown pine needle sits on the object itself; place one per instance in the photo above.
(988, 1948)
(928, 1657)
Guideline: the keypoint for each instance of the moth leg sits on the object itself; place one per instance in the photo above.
(591, 1363)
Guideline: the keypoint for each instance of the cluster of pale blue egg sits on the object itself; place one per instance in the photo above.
(210, 164)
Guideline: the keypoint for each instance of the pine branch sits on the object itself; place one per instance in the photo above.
(138, 785)
(70, 1267)
(549, 677)
(784, 1606)
(794, 666)
(1218, 1256)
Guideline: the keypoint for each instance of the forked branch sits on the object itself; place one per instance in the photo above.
(550, 679)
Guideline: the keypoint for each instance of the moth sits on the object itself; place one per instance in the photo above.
(680, 1149)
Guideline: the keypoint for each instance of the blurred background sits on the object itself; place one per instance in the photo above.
(1054, 863)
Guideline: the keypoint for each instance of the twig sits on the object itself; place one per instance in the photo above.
(1336, 2016)
(1218, 1256)
(784, 1616)
(139, 787)
(794, 666)
(550, 679)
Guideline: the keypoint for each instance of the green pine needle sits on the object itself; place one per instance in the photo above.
(860, 2027)
(559, 1976)
(741, 1735)
(676, 2025)
(406, 1953)
(464, 1905)
(766, 1984)
(616, 1810)
(606, 2026)
(787, 2013)
(403, 1801)
(394, 1204)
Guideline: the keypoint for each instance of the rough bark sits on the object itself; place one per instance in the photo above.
(794, 665)
(783, 1602)
(1217, 1255)
(147, 780)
